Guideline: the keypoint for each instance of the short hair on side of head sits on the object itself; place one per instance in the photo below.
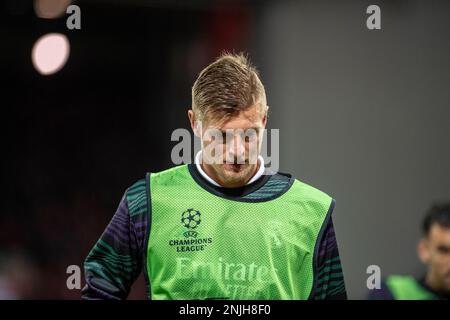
(226, 87)
(439, 214)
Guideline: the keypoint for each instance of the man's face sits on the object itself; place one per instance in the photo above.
(435, 252)
(230, 147)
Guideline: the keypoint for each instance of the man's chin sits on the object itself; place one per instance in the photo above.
(234, 168)
(235, 174)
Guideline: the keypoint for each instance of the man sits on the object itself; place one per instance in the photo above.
(224, 227)
(434, 251)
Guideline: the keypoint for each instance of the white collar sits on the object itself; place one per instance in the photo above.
(255, 177)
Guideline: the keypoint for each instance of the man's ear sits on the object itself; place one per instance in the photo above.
(194, 123)
(264, 120)
(423, 251)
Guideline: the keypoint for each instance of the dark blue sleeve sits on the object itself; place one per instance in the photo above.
(116, 260)
(330, 277)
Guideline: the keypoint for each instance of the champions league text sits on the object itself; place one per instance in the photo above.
(187, 245)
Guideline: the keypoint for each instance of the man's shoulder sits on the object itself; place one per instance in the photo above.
(309, 191)
(300, 189)
(137, 186)
(138, 190)
(169, 172)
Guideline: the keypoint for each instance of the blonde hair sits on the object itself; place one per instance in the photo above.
(227, 86)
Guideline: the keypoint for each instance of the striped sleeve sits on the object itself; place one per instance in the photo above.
(116, 260)
(330, 278)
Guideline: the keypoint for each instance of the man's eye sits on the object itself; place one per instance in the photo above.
(247, 136)
(444, 249)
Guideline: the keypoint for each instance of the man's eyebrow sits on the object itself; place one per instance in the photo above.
(253, 128)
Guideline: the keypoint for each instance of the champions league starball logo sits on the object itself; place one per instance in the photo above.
(190, 219)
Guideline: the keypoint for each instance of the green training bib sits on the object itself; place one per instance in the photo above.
(203, 246)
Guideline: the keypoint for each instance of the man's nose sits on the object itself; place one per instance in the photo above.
(236, 146)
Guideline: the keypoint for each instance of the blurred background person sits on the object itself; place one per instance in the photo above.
(434, 252)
